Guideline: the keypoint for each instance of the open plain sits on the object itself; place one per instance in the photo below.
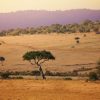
(63, 47)
(68, 55)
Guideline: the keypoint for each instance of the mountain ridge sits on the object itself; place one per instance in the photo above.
(35, 18)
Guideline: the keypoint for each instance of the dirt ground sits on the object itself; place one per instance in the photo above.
(63, 47)
(48, 90)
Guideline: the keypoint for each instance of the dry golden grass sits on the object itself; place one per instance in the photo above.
(13, 48)
(48, 90)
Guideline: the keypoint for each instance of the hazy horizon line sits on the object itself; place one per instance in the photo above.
(49, 10)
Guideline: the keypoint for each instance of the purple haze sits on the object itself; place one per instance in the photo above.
(23, 19)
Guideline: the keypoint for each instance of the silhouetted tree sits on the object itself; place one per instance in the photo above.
(38, 58)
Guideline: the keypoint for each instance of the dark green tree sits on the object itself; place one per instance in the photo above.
(38, 58)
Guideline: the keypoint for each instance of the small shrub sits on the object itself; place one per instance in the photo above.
(49, 73)
(93, 76)
(75, 73)
(18, 77)
(84, 35)
(77, 40)
(2, 59)
(98, 67)
(67, 78)
(5, 75)
(35, 72)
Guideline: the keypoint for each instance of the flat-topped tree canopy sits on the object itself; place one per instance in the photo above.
(38, 56)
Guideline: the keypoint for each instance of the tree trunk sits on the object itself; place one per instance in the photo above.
(41, 71)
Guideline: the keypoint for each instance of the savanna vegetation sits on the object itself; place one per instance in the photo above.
(86, 26)
(38, 58)
(76, 56)
(95, 75)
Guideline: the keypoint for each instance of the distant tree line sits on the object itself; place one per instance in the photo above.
(86, 26)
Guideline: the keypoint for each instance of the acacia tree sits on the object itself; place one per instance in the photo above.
(2, 59)
(38, 58)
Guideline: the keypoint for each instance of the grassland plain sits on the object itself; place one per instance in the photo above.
(66, 51)
(63, 47)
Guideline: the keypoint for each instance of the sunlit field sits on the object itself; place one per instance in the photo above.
(48, 90)
(69, 56)
(63, 47)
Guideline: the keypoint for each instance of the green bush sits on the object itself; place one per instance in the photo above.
(5, 75)
(93, 76)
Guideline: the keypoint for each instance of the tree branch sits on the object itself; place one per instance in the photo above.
(31, 62)
(43, 61)
(39, 59)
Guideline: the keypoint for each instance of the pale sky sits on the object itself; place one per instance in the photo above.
(16, 5)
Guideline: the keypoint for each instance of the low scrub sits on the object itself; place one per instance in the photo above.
(18, 77)
(73, 73)
(67, 78)
(5, 75)
(93, 76)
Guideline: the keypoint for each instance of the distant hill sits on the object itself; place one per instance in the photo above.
(34, 18)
